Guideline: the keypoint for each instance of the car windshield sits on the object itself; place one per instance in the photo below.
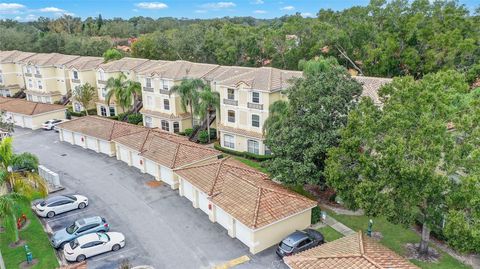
(71, 197)
(285, 246)
(43, 203)
(103, 237)
(72, 228)
(47, 122)
(74, 244)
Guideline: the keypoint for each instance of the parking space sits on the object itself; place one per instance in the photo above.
(161, 228)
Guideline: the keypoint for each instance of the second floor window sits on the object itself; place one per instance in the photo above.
(1, 79)
(148, 82)
(30, 83)
(37, 70)
(230, 94)
(164, 85)
(166, 104)
(75, 75)
(255, 120)
(29, 69)
(165, 126)
(231, 116)
(104, 92)
(256, 97)
(39, 84)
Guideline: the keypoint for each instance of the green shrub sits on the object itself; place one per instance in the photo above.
(188, 131)
(203, 136)
(92, 111)
(135, 118)
(257, 157)
(68, 115)
(113, 117)
(243, 154)
(316, 215)
(123, 116)
(181, 133)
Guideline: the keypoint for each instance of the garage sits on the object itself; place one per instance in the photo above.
(203, 202)
(243, 233)
(67, 136)
(151, 168)
(92, 143)
(137, 161)
(223, 218)
(188, 190)
(124, 155)
(106, 148)
(28, 114)
(18, 120)
(166, 175)
(78, 140)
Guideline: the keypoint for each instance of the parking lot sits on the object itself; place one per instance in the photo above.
(161, 228)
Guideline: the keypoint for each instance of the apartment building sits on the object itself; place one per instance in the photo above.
(11, 74)
(161, 106)
(128, 67)
(46, 77)
(82, 71)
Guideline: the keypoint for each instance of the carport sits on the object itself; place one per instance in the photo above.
(253, 209)
(28, 114)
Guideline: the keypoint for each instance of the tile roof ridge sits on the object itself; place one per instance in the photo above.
(239, 75)
(270, 80)
(198, 165)
(188, 143)
(144, 141)
(257, 207)
(287, 192)
(175, 155)
(370, 260)
(217, 174)
(360, 242)
(34, 108)
(211, 71)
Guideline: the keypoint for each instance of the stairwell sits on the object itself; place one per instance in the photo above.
(196, 131)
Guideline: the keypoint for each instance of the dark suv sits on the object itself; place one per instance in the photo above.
(299, 241)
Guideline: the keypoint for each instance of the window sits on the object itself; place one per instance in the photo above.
(165, 85)
(231, 94)
(29, 69)
(304, 243)
(267, 150)
(256, 97)
(37, 70)
(148, 122)
(48, 100)
(112, 111)
(1, 79)
(253, 146)
(229, 141)
(231, 116)
(166, 104)
(44, 99)
(29, 97)
(30, 83)
(255, 120)
(77, 107)
(103, 111)
(75, 74)
(101, 74)
(165, 126)
(39, 84)
(148, 82)
(149, 101)
(104, 92)
(176, 127)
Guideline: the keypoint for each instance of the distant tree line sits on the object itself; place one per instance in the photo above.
(387, 39)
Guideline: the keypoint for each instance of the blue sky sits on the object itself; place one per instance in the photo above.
(25, 10)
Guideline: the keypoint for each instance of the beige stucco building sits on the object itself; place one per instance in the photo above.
(28, 114)
(128, 67)
(11, 74)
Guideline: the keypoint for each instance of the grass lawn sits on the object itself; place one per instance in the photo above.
(36, 239)
(254, 164)
(395, 237)
(330, 234)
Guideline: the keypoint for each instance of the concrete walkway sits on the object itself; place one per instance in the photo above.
(336, 225)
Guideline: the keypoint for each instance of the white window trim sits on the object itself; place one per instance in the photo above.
(257, 144)
(234, 94)
(259, 121)
(233, 141)
(259, 97)
(234, 118)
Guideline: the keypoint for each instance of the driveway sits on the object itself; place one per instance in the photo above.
(161, 228)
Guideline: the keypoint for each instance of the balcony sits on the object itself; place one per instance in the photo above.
(28, 74)
(147, 89)
(38, 76)
(255, 106)
(230, 102)
(164, 91)
(75, 80)
(104, 82)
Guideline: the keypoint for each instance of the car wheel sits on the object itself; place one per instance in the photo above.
(81, 258)
(51, 214)
(115, 247)
(82, 205)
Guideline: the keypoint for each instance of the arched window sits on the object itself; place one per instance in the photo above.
(165, 126)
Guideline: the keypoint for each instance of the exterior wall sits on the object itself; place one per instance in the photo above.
(11, 75)
(38, 120)
(156, 122)
(85, 76)
(241, 142)
(271, 235)
(109, 113)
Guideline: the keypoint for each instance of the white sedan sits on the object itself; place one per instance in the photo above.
(93, 244)
(59, 204)
(50, 124)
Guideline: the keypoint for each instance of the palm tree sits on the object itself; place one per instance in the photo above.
(125, 91)
(134, 89)
(8, 213)
(209, 101)
(188, 92)
(84, 94)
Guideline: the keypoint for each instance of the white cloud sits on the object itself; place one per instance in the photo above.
(10, 8)
(258, 11)
(151, 5)
(288, 8)
(200, 11)
(29, 17)
(135, 10)
(306, 14)
(218, 5)
(52, 9)
(258, 2)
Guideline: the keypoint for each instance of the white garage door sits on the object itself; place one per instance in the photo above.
(77, 139)
(67, 137)
(166, 174)
(29, 124)
(105, 147)
(18, 120)
(242, 232)
(203, 202)
(92, 143)
(151, 167)
(188, 190)
(124, 154)
(223, 218)
(136, 160)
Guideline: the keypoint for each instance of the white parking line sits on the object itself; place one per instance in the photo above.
(66, 216)
(104, 256)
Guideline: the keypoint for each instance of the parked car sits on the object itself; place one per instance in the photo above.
(50, 124)
(299, 241)
(59, 204)
(78, 228)
(93, 244)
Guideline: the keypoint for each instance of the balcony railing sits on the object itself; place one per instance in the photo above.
(104, 82)
(147, 89)
(255, 106)
(75, 80)
(164, 91)
(38, 75)
(28, 74)
(230, 102)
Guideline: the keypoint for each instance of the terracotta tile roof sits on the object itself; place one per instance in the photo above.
(137, 141)
(246, 194)
(355, 251)
(178, 70)
(239, 131)
(371, 85)
(49, 59)
(102, 128)
(225, 72)
(174, 151)
(165, 115)
(263, 78)
(13, 56)
(81, 265)
(21, 106)
(124, 64)
(83, 63)
(145, 69)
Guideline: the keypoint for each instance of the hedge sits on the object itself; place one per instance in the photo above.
(203, 137)
(92, 111)
(135, 118)
(316, 215)
(243, 154)
(188, 132)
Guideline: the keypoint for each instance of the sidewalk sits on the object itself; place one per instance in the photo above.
(337, 226)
